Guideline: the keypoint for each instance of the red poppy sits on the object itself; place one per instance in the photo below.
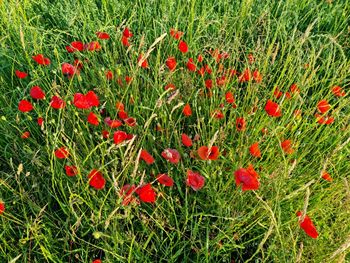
(307, 225)
(287, 146)
(251, 58)
(248, 178)
(119, 137)
(2, 207)
(164, 179)
(92, 46)
(96, 179)
(171, 155)
(25, 106)
(25, 135)
(144, 63)
(208, 154)
(127, 33)
(323, 106)
(93, 119)
(68, 70)
(200, 58)
(147, 157)
(326, 176)
(229, 97)
(126, 192)
(176, 34)
(294, 88)
(208, 83)
(41, 60)
(113, 123)
(37, 93)
(97, 261)
(125, 41)
(264, 131)
(297, 113)
(338, 91)
(254, 150)
(105, 134)
(128, 79)
(170, 86)
(40, 121)
(257, 76)
(20, 74)
(75, 46)
(131, 122)
(190, 65)
(221, 81)
(240, 124)
(102, 35)
(57, 103)
(62, 153)
(122, 115)
(146, 193)
(201, 71)
(87, 101)
(218, 114)
(245, 76)
(171, 63)
(109, 75)
(195, 180)
(71, 170)
(119, 106)
(277, 93)
(273, 109)
(186, 140)
(187, 110)
(183, 46)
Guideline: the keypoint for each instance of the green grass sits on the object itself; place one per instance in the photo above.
(50, 217)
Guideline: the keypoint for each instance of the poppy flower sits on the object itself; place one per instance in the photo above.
(37, 93)
(176, 34)
(297, 113)
(208, 83)
(195, 180)
(187, 110)
(186, 140)
(221, 81)
(122, 115)
(171, 155)
(92, 46)
(105, 134)
(97, 261)
(294, 88)
(131, 122)
(165, 180)
(41, 60)
(200, 58)
(287, 146)
(93, 119)
(170, 86)
(323, 106)
(254, 150)
(126, 192)
(96, 180)
(307, 225)
(277, 93)
(102, 35)
(147, 157)
(146, 193)
(218, 114)
(190, 65)
(20, 74)
(273, 109)
(25, 106)
(128, 79)
(257, 76)
(71, 170)
(125, 41)
(248, 178)
(109, 75)
(113, 123)
(245, 76)
(324, 119)
(75, 46)
(144, 63)
(127, 33)
(2, 207)
(68, 70)
(61, 153)
(120, 106)
(326, 176)
(240, 124)
(119, 137)
(171, 63)
(87, 101)
(57, 103)
(229, 97)
(251, 58)
(25, 135)
(40, 121)
(183, 46)
(338, 91)
(206, 153)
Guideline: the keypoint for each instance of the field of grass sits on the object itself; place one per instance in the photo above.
(292, 52)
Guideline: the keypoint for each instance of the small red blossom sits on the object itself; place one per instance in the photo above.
(146, 193)
(71, 170)
(75, 46)
(195, 180)
(40, 121)
(183, 46)
(218, 114)
(37, 93)
(105, 134)
(127, 194)
(229, 97)
(307, 225)
(245, 76)
(21, 74)
(172, 155)
(294, 88)
(165, 180)
(326, 176)
(25, 135)
(323, 106)
(92, 46)
(68, 70)
(273, 109)
(257, 76)
(127, 33)
(190, 65)
(240, 124)
(2, 207)
(187, 111)
(186, 140)
(62, 153)
(208, 83)
(171, 63)
(176, 34)
(170, 86)
(277, 93)
(131, 122)
(287, 146)
(25, 106)
(93, 119)
(147, 157)
(119, 137)
(57, 103)
(338, 91)
(97, 261)
(87, 101)
(96, 179)
(144, 63)
(41, 60)
(206, 153)
(125, 41)
(248, 178)
(113, 123)
(102, 35)
(254, 150)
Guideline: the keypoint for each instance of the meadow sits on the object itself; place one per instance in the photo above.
(174, 131)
